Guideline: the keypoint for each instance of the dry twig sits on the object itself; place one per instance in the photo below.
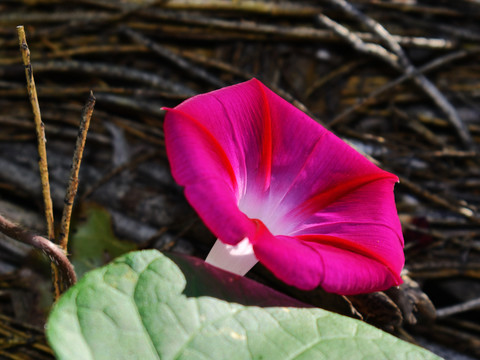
(174, 58)
(434, 64)
(73, 181)
(397, 59)
(42, 151)
(120, 72)
(459, 308)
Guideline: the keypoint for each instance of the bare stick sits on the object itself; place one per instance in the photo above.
(376, 27)
(120, 72)
(73, 182)
(357, 42)
(40, 129)
(258, 7)
(42, 151)
(174, 58)
(434, 64)
(56, 255)
(402, 63)
(282, 31)
(459, 308)
(436, 199)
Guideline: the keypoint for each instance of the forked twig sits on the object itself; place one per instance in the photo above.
(434, 64)
(401, 63)
(357, 42)
(73, 181)
(176, 59)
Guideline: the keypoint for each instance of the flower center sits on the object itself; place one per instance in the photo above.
(269, 209)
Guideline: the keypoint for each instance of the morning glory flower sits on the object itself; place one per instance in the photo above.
(275, 186)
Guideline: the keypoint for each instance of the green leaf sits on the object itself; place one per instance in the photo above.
(134, 308)
(94, 243)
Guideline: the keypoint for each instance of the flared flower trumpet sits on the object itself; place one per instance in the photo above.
(275, 186)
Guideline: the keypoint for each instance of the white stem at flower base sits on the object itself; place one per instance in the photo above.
(238, 259)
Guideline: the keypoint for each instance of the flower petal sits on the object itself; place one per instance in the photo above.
(237, 117)
(337, 265)
(194, 152)
(290, 260)
(223, 136)
(199, 163)
(217, 207)
(367, 217)
(350, 267)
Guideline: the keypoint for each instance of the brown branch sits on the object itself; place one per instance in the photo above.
(280, 32)
(73, 181)
(114, 71)
(258, 7)
(42, 151)
(174, 58)
(402, 63)
(438, 200)
(357, 42)
(56, 254)
(434, 64)
(459, 308)
(40, 129)
(376, 28)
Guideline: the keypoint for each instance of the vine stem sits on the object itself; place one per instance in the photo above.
(53, 251)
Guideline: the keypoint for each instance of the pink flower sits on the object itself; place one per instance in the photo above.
(275, 186)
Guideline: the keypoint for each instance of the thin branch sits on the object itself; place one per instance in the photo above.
(258, 7)
(376, 28)
(40, 129)
(279, 31)
(114, 71)
(402, 63)
(459, 308)
(357, 42)
(434, 64)
(56, 254)
(174, 58)
(438, 200)
(42, 151)
(73, 182)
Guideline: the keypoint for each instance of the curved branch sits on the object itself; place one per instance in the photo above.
(55, 254)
